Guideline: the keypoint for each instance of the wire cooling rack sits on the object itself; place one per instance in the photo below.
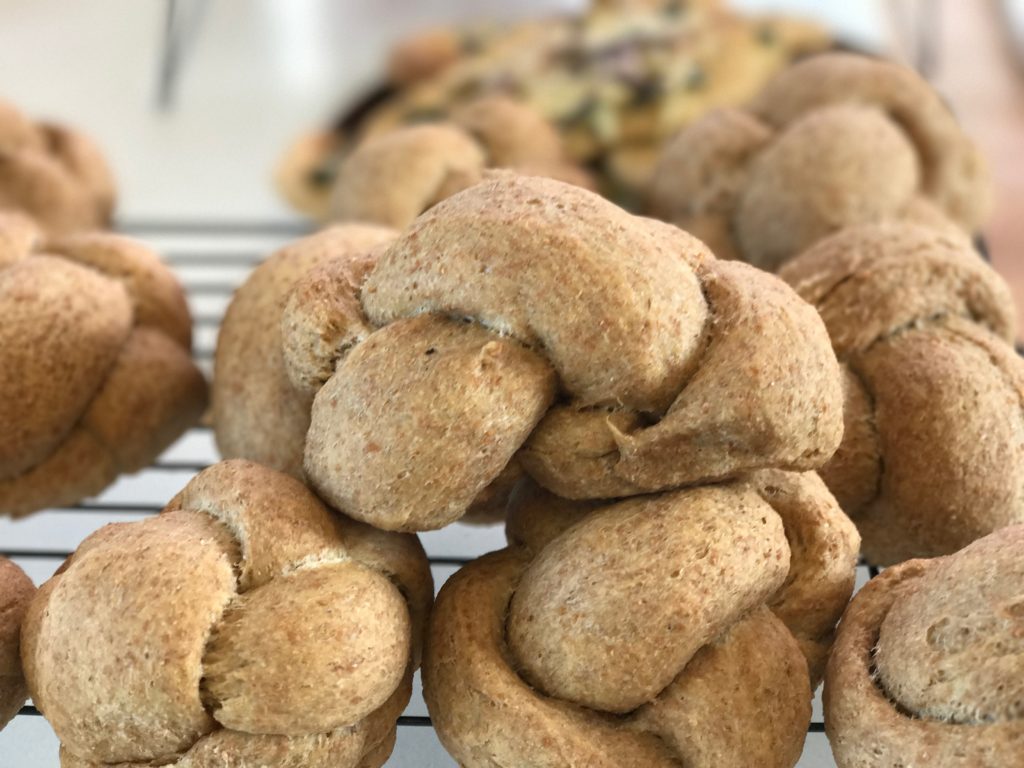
(212, 258)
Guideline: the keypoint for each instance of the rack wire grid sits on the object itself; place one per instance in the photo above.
(212, 259)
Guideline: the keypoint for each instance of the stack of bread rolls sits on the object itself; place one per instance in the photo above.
(690, 453)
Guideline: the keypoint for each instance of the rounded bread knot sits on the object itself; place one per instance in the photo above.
(53, 173)
(696, 653)
(928, 665)
(832, 141)
(932, 455)
(610, 355)
(393, 176)
(96, 376)
(245, 622)
(16, 591)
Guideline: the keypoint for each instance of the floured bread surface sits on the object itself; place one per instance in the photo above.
(833, 141)
(245, 623)
(96, 376)
(928, 663)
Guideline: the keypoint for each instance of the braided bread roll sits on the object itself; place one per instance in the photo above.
(834, 140)
(928, 666)
(16, 591)
(932, 456)
(695, 653)
(393, 177)
(245, 625)
(527, 319)
(96, 376)
(53, 173)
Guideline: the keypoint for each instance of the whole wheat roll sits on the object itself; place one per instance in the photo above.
(258, 413)
(929, 662)
(244, 625)
(932, 456)
(833, 141)
(53, 173)
(16, 591)
(638, 322)
(823, 545)
(523, 325)
(392, 178)
(97, 377)
(536, 657)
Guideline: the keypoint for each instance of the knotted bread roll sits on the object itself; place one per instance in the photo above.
(245, 625)
(53, 173)
(928, 665)
(932, 456)
(16, 591)
(96, 376)
(392, 178)
(532, 320)
(664, 630)
(834, 140)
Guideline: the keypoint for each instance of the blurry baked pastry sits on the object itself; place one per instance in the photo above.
(392, 178)
(53, 173)
(615, 81)
(530, 319)
(664, 630)
(245, 625)
(96, 376)
(16, 591)
(932, 455)
(928, 665)
(835, 140)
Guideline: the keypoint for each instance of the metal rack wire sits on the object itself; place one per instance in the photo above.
(212, 258)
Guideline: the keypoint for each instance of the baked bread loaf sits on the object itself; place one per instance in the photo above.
(96, 376)
(658, 631)
(526, 318)
(16, 591)
(833, 141)
(53, 173)
(615, 82)
(932, 455)
(245, 625)
(928, 665)
(392, 178)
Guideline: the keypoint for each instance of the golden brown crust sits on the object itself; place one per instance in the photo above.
(927, 665)
(219, 636)
(16, 591)
(257, 413)
(470, 323)
(931, 458)
(823, 546)
(532, 650)
(834, 141)
(53, 173)
(96, 377)
(485, 393)
(711, 554)
(869, 281)
(511, 134)
(391, 179)
(954, 175)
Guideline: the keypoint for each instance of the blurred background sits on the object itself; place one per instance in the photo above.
(194, 100)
